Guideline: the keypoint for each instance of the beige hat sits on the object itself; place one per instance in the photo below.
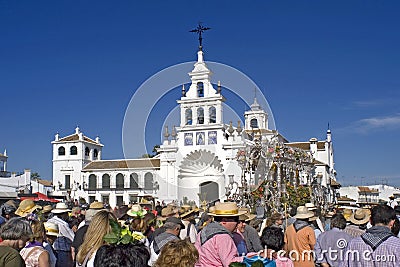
(249, 215)
(310, 206)
(51, 228)
(168, 211)
(61, 207)
(96, 205)
(359, 217)
(26, 207)
(303, 213)
(47, 209)
(227, 209)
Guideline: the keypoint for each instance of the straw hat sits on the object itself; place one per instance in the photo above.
(11, 203)
(227, 209)
(47, 209)
(25, 207)
(61, 207)
(136, 211)
(359, 217)
(303, 213)
(347, 214)
(51, 228)
(96, 205)
(310, 206)
(249, 215)
(168, 211)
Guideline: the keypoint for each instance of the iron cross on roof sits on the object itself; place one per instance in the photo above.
(199, 30)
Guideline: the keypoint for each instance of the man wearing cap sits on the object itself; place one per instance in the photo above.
(214, 243)
(172, 226)
(377, 246)
(330, 241)
(300, 239)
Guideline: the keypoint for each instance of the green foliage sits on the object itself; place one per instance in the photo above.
(298, 196)
(237, 264)
(121, 235)
(258, 263)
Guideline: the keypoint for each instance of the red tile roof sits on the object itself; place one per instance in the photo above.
(122, 164)
(75, 137)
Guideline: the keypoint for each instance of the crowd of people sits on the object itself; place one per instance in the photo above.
(186, 236)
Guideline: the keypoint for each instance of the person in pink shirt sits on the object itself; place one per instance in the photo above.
(214, 243)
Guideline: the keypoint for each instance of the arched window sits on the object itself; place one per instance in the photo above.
(200, 89)
(92, 182)
(95, 153)
(119, 181)
(134, 181)
(73, 150)
(200, 116)
(253, 123)
(87, 151)
(106, 181)
(213, 114)
(61, 151)
(188, 116)
(148, 181)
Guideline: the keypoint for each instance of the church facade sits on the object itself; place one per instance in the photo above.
(196, 161)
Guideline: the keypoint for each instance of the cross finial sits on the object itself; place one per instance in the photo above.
(199, 30)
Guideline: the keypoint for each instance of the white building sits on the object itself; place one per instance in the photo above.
(13, 183)
(196, 160)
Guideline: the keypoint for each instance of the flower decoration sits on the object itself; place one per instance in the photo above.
(120, 235)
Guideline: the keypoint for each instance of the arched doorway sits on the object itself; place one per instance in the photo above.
(209, 191)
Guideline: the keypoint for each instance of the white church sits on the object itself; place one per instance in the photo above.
(197, 160)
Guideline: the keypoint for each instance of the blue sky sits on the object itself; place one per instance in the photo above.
(68, 63)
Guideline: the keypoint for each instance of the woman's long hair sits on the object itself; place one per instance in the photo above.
(98, 228)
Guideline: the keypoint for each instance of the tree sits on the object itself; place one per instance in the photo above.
(35, 176)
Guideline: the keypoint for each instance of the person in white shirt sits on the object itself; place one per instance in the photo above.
(60, 218)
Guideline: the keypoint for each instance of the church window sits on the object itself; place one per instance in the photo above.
(61, 151)
(200, 116)
(188, 116)
(254, 123)
(87, 151)
(73, 150)
(119, 181)
(148, 181)
(134, 181)
(92, 182)
(106, 181)
(200, 89)
(95, 153)
(213, 117)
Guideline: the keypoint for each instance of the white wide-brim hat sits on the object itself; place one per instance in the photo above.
(61, 207)
(303, 213)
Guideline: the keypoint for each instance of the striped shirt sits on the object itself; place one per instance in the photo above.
(360, 254)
